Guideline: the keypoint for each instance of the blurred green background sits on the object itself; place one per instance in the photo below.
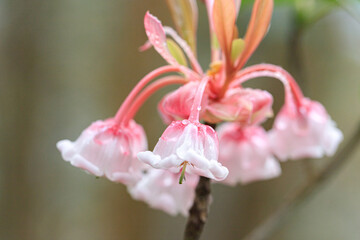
(66, 63)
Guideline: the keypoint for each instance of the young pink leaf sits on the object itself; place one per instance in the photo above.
(155, 32)
(210, 5)
(258, 26)
(224, 16)
(146, 46)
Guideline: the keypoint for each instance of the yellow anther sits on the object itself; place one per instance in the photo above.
(215, 68)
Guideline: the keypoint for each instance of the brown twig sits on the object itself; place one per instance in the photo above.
(268, 227)
(199, 210)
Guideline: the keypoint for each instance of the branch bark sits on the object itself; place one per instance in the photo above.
(199, 210)
(268, 227)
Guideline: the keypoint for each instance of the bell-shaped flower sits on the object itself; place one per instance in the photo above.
(246, 153)
(189, 147)
(307, 131)
(242, 105)
(107, 149)
(177, 104)
(161, 190)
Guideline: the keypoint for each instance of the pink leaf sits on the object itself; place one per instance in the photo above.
(147, 45)
(224, 15)
(258, 26)
(237, 6)
(155, 32)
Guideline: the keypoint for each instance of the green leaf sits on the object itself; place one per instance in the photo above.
(176, 52)
(185, 17)
(237, 47)
(309, 11)
(215, 42)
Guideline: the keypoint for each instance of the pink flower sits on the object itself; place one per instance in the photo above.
(107, 149)
(304, 132)
(177, 104)
(246, 153)
(161, 190)
(243, 105)
(187, 143)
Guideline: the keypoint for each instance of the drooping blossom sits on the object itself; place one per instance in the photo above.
(161, 190)
(302, 128)
(246, 152)
(107, 149)
(308, 132)
(188, 146)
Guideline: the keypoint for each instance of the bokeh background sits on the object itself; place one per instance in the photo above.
(66, 63)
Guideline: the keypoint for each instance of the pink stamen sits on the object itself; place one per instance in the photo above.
(148, 91)
(196, 107)
(142, 83)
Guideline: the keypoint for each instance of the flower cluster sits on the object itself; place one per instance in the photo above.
(240, 150)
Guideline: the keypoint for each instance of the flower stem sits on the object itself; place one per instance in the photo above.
(148, 91)
(196, 106)
(199, 210)
(270, 70)
(142, 83)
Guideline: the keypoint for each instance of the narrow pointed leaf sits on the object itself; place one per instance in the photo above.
(258, 27)
(224, 15)
(176, 52)
(237, 48)
(185, 17)
(155, 32)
